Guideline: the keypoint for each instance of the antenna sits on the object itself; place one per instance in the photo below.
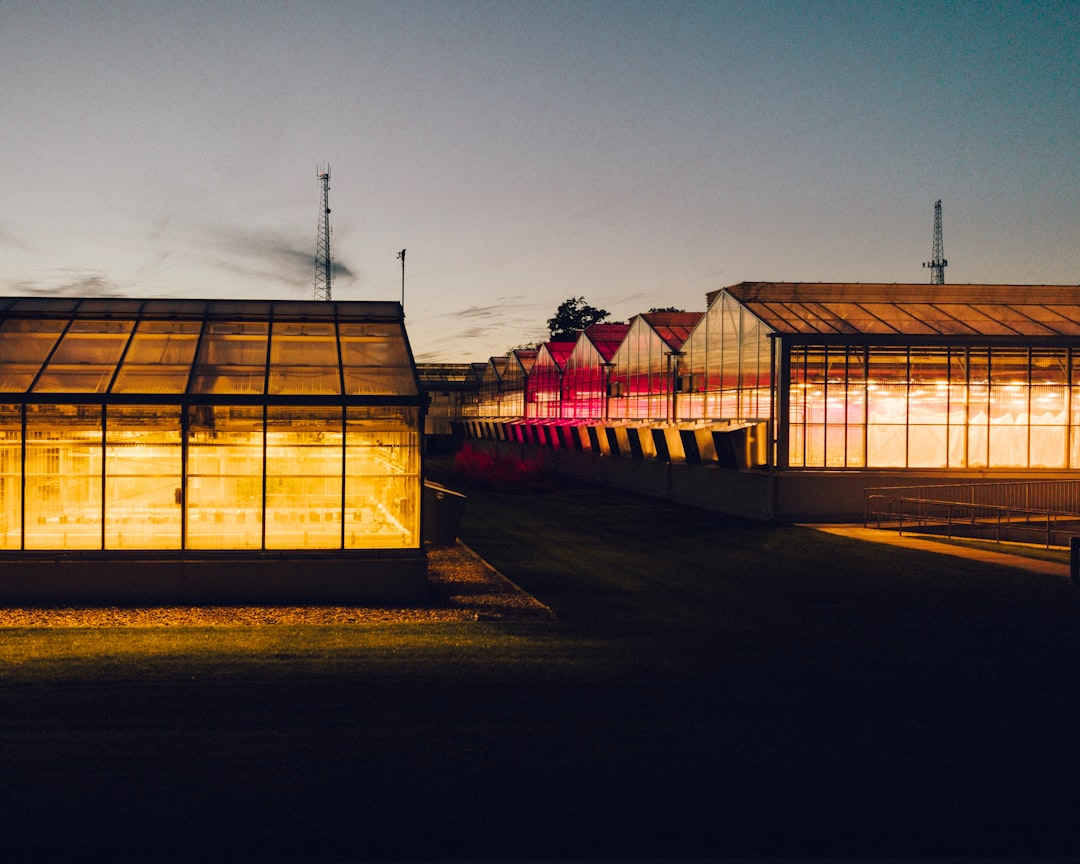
(938, 264)
(322, 243)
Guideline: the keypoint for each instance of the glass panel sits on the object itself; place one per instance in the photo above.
(74, 379)
(1049, 409)
(232, 358)
(856, 451)
(10, 476)
(957, 438)
(24, 345)
(304, 359)
(228, 380)
(815, 406)
(303, 478)
(143, 477)
(928, 398)
(927, 446)
(381, 382)
(63, 477)
(225, 471)
(300, 380)
(382, 480)
(376, 360)
(28, 341)
(886, 394)
(100, 342)
(17, 377)
(151, 379)
(978, 408)
(296, 344)
(886, 445)
(169, 343)
(1009, 409)
(86, 358)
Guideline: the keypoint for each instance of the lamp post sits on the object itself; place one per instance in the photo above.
(673, 380)
(607, 367)
(401, 257)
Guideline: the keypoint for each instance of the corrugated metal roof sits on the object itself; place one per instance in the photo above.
(895, 309)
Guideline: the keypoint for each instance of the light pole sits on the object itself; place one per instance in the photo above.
(401, 256)
(673, 358)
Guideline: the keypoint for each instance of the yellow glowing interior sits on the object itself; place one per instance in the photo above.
(932, 408)
(331, 481)
(207, 426)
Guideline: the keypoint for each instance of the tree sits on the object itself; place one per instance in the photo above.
(573, 314)
(666, 309)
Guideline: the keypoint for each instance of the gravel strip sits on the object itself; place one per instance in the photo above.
(461, 587)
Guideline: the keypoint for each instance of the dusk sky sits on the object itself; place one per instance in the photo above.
(636, 154)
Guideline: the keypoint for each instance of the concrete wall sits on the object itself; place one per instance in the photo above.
(379, 578)
(755, 493)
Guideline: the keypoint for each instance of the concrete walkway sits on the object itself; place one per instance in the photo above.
(928, 544)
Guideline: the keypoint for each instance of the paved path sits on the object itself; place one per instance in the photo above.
(922, 541)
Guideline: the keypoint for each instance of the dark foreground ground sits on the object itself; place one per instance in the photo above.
(711, 688)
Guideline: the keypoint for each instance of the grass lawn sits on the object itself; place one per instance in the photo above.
(713, 688)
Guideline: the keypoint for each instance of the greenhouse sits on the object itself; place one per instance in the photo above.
(251, 431)
(906, 376)
(814, 392)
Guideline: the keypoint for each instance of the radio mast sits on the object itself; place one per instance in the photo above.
(322, 244)
(938, 265)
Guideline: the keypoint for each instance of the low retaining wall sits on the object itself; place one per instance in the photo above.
(330, 580)
(754, 493)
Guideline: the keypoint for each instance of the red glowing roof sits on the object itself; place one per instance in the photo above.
(559, 351)
(673, 327)
(607, 338)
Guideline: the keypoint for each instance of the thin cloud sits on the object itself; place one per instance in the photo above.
(10, 239)
(273, 256)
(473, 312)
(68, 283)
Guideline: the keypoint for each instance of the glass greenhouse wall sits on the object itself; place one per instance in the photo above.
(585, 379)
(728, 360)
(648, 364)
(934, 407)
(543, 399)
(192, 425)
(875, 376)
(913, 376)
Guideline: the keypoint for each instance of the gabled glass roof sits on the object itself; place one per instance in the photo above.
(199, 347)
(673, 327)
(559, 352)
(607, 338)
(822, 308)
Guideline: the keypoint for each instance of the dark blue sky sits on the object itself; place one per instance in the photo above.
(638, 154)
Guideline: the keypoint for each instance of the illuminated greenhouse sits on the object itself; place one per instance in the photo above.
(248, 448)
(807, 394)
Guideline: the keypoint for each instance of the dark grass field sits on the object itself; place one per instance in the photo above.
(713, 688)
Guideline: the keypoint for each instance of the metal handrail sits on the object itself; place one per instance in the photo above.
(1061, 496)
(959, 512)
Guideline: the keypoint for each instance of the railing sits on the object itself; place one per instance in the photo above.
(1049, 511)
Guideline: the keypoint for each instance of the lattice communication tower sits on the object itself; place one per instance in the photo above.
(938, 264)
(322, 244)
